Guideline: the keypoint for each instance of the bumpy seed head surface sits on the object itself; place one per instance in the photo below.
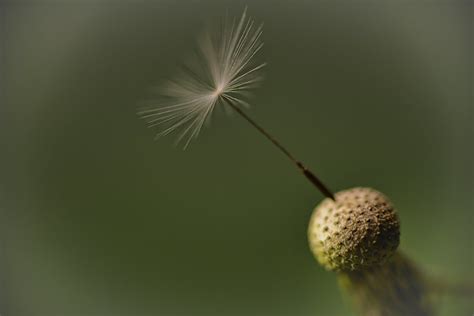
(358, 230)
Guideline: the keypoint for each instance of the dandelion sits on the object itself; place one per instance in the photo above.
(222, 75)
(360, 240)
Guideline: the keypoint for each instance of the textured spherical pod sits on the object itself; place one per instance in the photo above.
(360, 229)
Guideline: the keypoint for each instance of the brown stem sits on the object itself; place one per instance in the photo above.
(306, 172)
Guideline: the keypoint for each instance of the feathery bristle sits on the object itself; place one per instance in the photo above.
(223, 73)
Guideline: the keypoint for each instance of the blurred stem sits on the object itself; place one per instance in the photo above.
(395, 288)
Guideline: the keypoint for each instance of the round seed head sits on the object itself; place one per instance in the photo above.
(358, 230)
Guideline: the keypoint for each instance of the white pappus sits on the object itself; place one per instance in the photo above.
(221, 75)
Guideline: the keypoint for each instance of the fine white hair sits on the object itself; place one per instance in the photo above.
(222, 74)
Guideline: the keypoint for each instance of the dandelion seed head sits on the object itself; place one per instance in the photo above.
(222, 73)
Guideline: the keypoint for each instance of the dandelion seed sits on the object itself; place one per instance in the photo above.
(222, 75)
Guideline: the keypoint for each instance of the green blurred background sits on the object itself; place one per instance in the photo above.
(98, 219)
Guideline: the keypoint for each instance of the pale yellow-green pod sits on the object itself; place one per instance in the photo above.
(360, 229)
(357, 236)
